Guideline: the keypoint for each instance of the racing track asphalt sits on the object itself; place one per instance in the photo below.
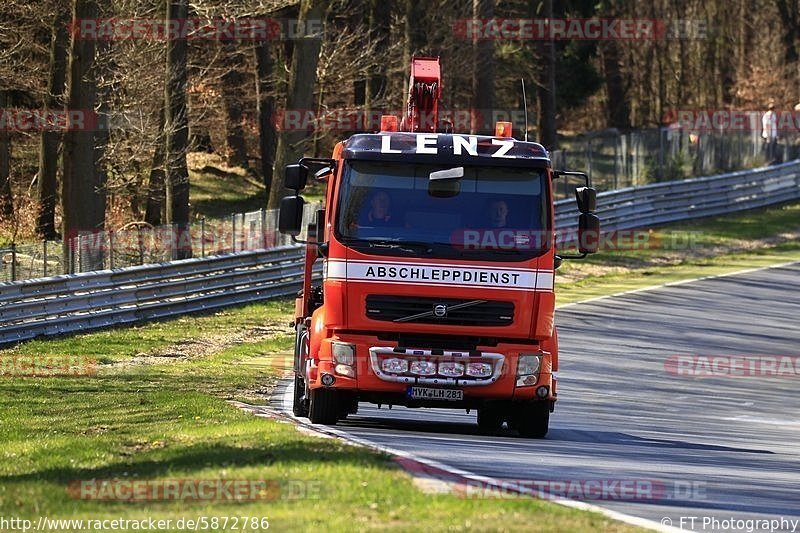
(722, 447)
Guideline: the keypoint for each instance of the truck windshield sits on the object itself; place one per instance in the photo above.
(491, 213)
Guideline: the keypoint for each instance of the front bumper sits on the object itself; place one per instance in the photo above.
(372, 383)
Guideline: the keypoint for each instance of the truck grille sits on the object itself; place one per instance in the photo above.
(439, 311)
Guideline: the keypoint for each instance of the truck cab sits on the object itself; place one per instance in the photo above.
(438, 264)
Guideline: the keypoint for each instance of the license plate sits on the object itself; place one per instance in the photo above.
(427, 393)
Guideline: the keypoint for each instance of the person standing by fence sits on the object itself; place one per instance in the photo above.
(769, 133)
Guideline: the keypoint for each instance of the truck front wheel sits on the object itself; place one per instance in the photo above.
(324, 407)
(300, 403)
(532, 419)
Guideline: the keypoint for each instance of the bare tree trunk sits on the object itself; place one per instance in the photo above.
(300, 96)
(83, 189)
(236, 148)
(102, 135)
(618, 112)
(547, 89)
(380, 13)
(265, 107)
(417, 12)
(154, 212)
(6, 196)
(50, 140)
(790, 20)
(483, 72)
(176, 127)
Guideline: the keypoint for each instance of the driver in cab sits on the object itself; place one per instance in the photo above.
(379, 211)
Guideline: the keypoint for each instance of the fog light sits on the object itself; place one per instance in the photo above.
(395, 366)
(542, 391)
(451, 369)
(423, 368)
(345, 370)
(344, 353)
(479, 370)
(328, 379)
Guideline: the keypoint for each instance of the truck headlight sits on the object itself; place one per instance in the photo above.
(528, 366)
(394, 365)
(344, 353)
(451, 369)
(423, 368)
(479, 370)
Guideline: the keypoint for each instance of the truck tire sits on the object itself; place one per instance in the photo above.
(348, 405)
(490, 420)
(533, 419)
(300, 400)
(300, 403)
(324, 407)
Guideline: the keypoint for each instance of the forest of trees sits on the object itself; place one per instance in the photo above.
(150, 100)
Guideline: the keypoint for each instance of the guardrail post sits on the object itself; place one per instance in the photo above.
(44, 257)
(174, 240)
(233, 232)
(111, 249)
(263, 227)
(615, 183)
(203, 237)
(141, 245)
(13, 261)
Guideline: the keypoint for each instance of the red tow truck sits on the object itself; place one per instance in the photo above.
(439, 259)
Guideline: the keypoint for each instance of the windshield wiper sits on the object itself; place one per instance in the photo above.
(496, 251)
(408, 246)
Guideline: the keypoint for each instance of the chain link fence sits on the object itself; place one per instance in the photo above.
(616, 160)
(140, 244)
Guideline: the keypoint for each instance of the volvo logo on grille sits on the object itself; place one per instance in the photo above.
(440, 310)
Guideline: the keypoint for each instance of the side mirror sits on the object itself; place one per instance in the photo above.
(588, 233)
(587, 199)
(290, 217)
(295, 177)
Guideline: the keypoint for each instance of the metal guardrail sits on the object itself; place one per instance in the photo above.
(85, 301)
(78, 302)
(674, 201)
